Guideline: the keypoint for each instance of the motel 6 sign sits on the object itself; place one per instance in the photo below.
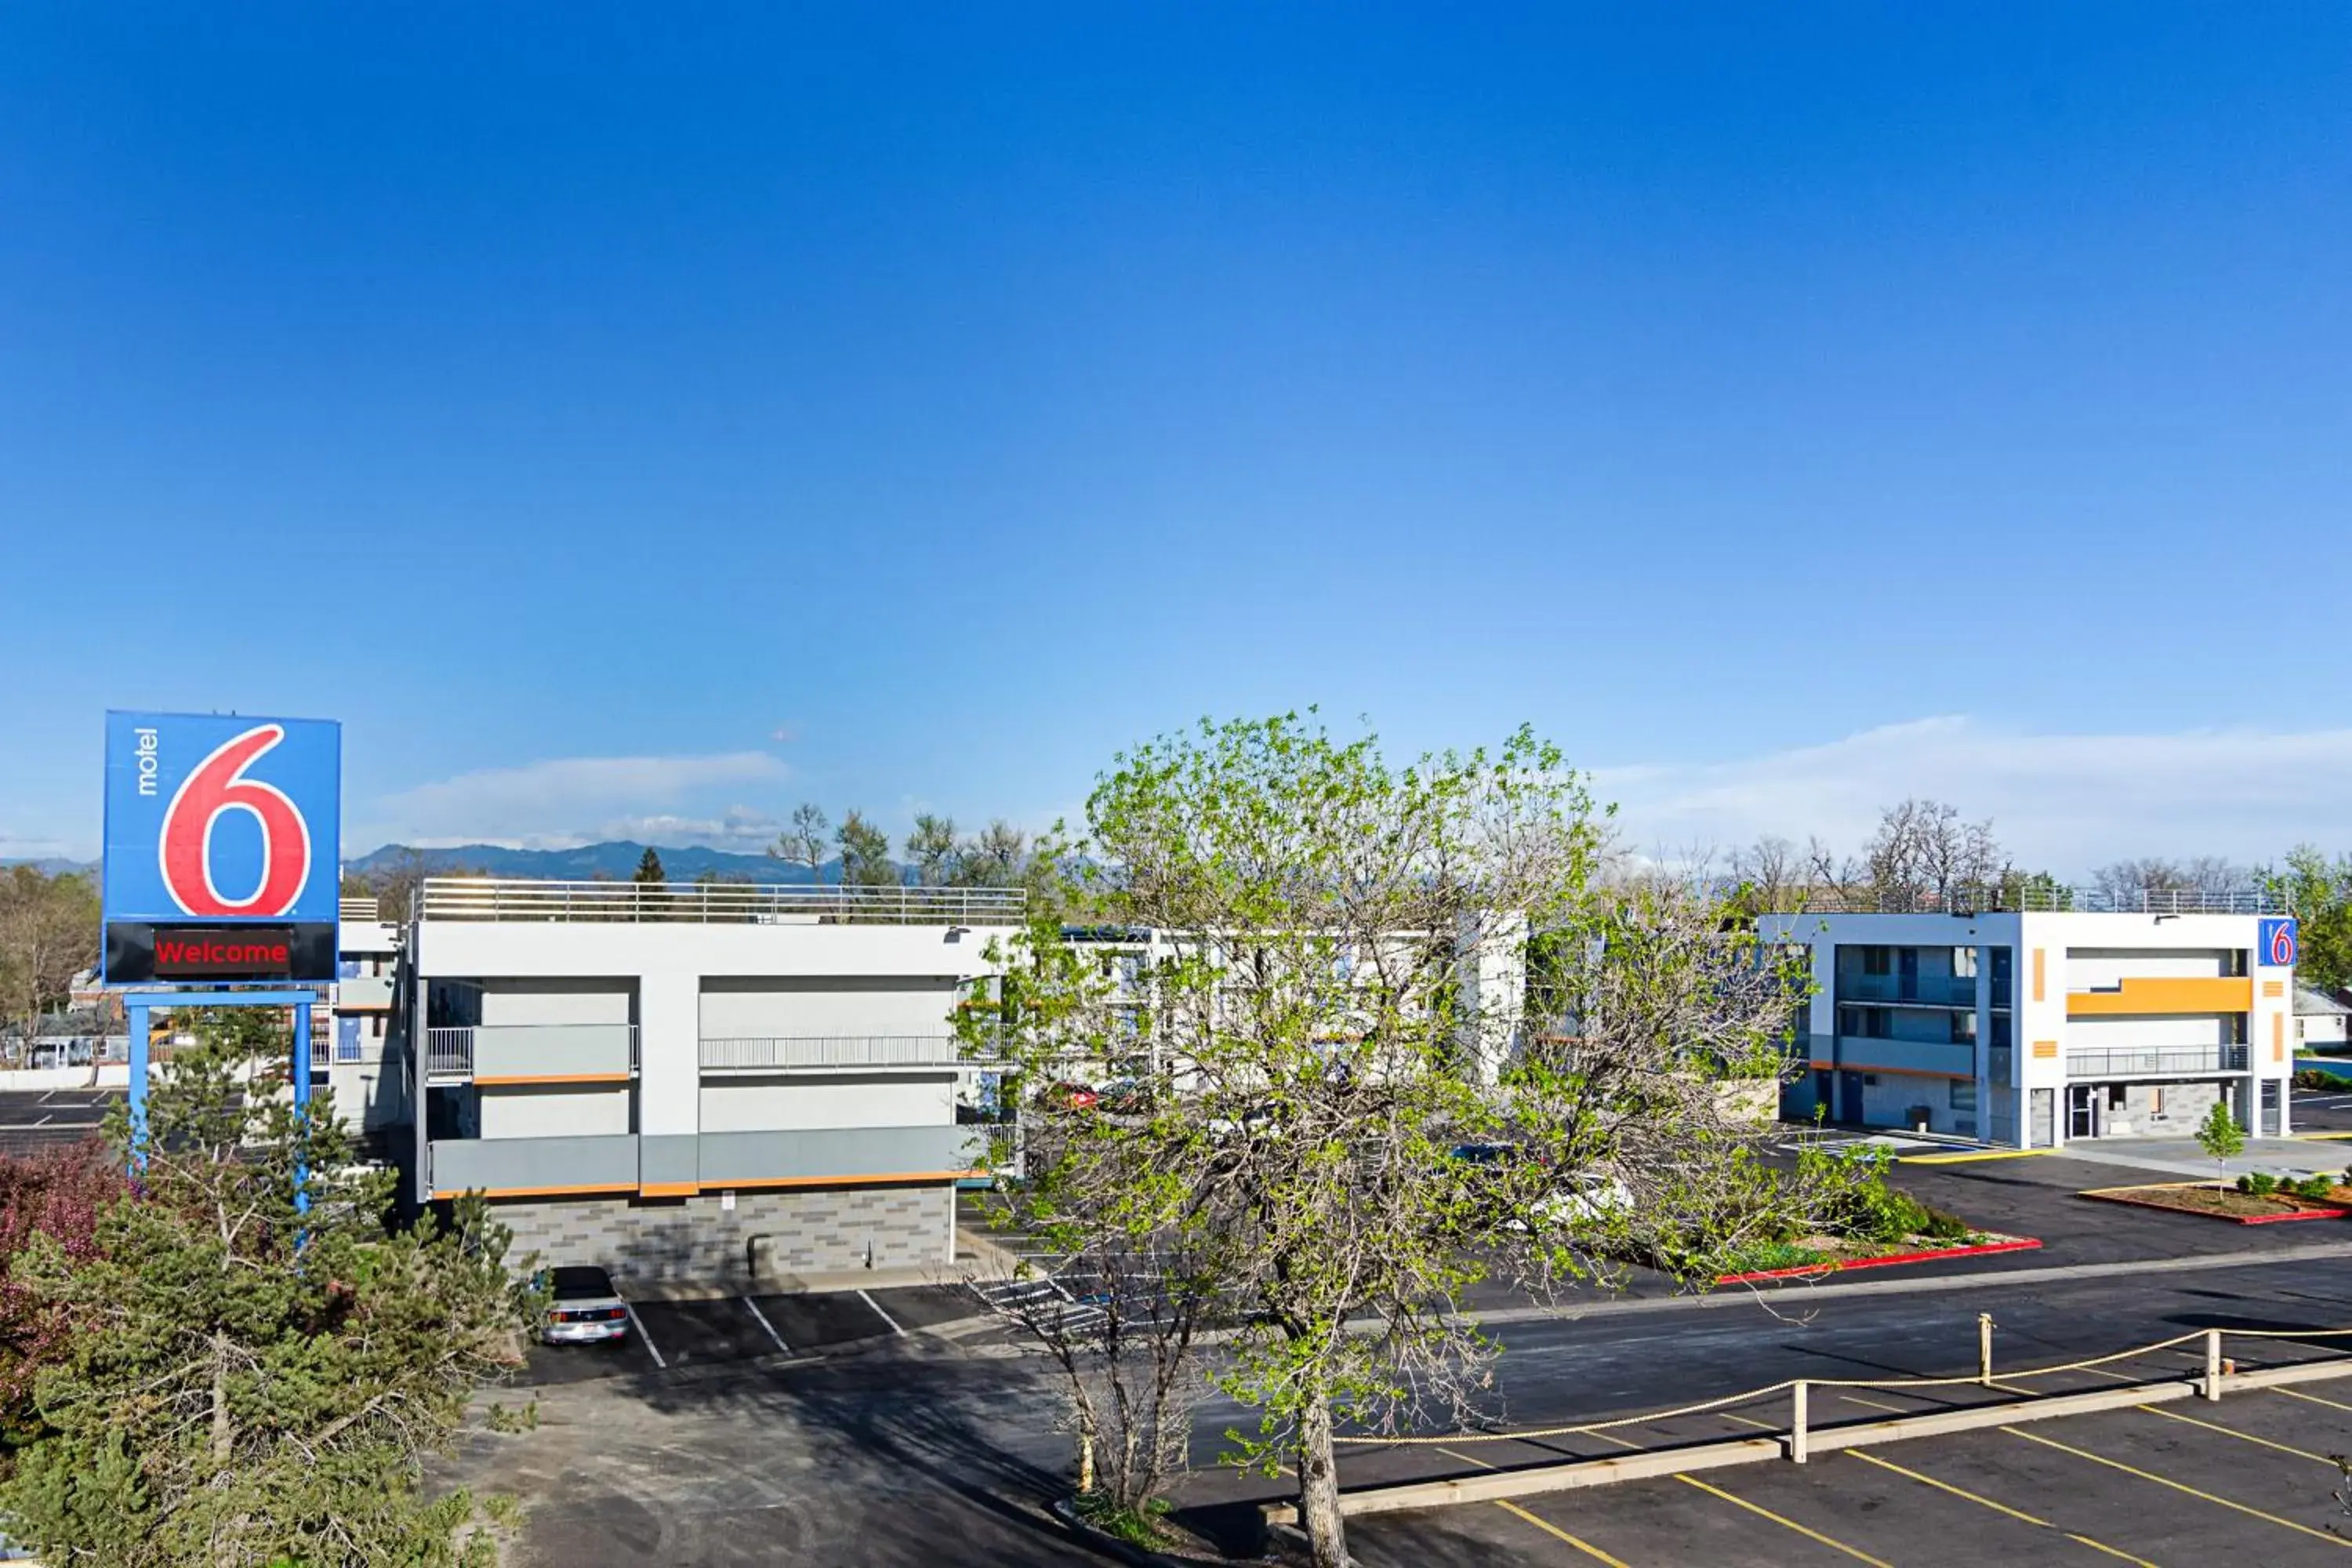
(2274, 947)
(222, 847)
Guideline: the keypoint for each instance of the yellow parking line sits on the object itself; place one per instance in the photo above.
(1543, 1524)
(1997, 1507)
(1550, 1529)
(2298, 1394)
(2176, 1485)
(1791, 1523)
(2234, 1432)
(1976, 1154)
(1875, 1404)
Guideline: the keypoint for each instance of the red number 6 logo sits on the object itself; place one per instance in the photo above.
(219, 784)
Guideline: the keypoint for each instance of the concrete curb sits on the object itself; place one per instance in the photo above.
(2289, 1216)
(1884, 1261)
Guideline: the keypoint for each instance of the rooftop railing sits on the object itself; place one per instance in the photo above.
(2029, 900)
(716, 904)
(809, 1053)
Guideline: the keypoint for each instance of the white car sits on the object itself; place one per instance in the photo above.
(583, 1308)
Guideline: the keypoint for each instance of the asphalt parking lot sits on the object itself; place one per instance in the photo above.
(36, 1119)
(2248, 1480)
(671, 1335)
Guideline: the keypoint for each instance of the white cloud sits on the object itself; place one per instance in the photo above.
(565, 801)
(2066, 802)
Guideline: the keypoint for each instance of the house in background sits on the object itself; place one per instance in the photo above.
(2321, 1023)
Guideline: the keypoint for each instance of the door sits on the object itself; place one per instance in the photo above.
(2082, 1111)
(1850, 1096)
(2042, 1133)
(1908, 976)
(2270, 1103)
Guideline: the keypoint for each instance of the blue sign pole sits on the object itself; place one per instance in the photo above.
(301, 1097)
(137, 1012)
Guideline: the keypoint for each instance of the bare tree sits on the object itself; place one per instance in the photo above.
(2130, 883)
(1120, 1315)
(1925, 856)
(805, 841)
(1773, 873)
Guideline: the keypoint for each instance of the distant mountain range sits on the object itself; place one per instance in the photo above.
(617, 859)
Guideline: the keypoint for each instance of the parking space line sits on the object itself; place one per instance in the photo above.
(2243, 1436)
(2176, 1485)
(767, 1325)
(2298, 1394)
(1875, 1404)
(1543, 1524)
(881, 1313)
(1857, 1556)
(644, 1338)
(1868, 1456)
(1548, 1528)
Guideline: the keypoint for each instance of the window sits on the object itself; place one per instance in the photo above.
(1867, 1023)
(2117, 1097)
(1870, 1080)
(2155, 1102)
(1964, 1094)
(1876, 960)
(1964, 963)
(1964, 1028)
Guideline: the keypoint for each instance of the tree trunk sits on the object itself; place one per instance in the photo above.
(1318, 1486)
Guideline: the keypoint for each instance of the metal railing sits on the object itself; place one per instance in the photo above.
(1925, 990)
(2030, 898)
(718, 903)
(2123, 1062)
(450, 1053)
(358, 911)
(803, 1053)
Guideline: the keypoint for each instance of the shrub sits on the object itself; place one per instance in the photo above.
(2262, 1184)
(2315, 1186)
(2245, 1183)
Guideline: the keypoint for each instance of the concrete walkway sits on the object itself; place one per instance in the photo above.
(2182, 1157)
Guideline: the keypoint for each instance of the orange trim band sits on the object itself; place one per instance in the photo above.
(534, 1192)
(2041, 965)
(525, 1077)
(899, 1176)
(667, 1190)
(1847, 1066)
(2145, 995)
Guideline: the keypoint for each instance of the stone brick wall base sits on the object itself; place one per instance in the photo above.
(800, 1230)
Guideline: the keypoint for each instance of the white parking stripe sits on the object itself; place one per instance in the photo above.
(647, 1340)
(881, 1313)
(767, 1325)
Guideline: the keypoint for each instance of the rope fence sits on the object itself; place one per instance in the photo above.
(2211, 1339)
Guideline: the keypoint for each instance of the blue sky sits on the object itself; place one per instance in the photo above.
(631, 421)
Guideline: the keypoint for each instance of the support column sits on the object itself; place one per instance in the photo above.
(136, 1013)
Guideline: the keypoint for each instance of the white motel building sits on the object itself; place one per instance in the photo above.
(2036, 1028)
(696, 1080)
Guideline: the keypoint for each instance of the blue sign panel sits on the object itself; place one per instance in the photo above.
(222, 821)
(2275, 947)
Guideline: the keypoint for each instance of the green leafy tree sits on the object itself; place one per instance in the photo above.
(2319, 892)
(932, 847)
(2221, 1137)
(250, 1380)
(864, 854)
(1311, 966)
(49, 934)
(649, 872)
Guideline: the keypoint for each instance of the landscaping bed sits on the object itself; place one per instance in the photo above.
(1818, 1255)
(2254, 1204)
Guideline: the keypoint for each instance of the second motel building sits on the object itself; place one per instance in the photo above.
(686, 1081)
(2033, 1030)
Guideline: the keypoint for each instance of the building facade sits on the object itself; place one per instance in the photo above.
(697, 1082)
(2033, 1028)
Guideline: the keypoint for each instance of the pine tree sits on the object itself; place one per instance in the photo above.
(251, 1379)
(649, 872)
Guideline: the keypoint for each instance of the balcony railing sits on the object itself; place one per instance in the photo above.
(531, 1051)
(716, 904)
(2155, 1061)
(1927, 990)
(813, 1053)
(358, 911)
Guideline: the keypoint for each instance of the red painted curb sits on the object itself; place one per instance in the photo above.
(2015, 1243)
(2287, 1218)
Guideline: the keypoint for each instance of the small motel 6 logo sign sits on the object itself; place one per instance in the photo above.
(2275, 945)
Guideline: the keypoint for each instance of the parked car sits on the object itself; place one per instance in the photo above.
(1069, 1097)
(1576, 1194)
(582, 1307)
